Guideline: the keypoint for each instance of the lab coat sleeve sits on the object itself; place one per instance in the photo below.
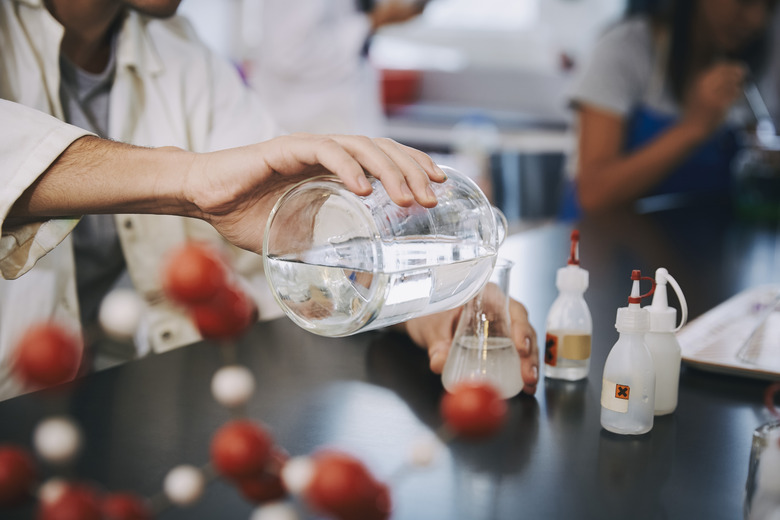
(29, 142)
(315, 39)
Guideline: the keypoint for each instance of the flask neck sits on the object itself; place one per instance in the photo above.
(577, 294)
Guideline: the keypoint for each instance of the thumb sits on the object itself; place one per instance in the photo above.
(437, 353)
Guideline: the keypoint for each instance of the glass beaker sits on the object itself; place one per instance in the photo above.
(757, 180)
(482, 349)
(762, 437)
(338, 263)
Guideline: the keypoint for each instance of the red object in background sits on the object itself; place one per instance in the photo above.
(125, 506)
(226, 316)
(268, 485)
(342, 487)
(474, 410)
(241, 449)
(262, 488)
(47, 355)
(194, 274)
(77, 502)
(769, 398)
(17, 475)
(399, 87)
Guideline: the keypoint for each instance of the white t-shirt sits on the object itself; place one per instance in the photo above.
(628, 68)
(625, 69)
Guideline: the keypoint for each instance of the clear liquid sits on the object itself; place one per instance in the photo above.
(565, 368)
(336, 291)
(495, 360)
(630, 363)
(637, 421)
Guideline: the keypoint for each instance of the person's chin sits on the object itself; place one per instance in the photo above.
(155, 8)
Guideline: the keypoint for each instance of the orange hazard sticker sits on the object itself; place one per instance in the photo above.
(551, 350)
(621, 391)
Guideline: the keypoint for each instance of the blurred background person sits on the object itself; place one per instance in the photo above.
(311, 66)
(660, 104)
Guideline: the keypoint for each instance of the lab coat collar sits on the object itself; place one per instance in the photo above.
(135, 49)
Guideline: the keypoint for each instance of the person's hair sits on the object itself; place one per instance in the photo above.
(677, 17)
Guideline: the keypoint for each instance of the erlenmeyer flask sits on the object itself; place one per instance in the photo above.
(482, 349)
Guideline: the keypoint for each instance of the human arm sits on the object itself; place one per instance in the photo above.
(607, 177)
(436, 332)
(233, 190)
(394, 11)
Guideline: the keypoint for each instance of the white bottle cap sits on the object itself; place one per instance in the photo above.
(632, 319)
(662, 317)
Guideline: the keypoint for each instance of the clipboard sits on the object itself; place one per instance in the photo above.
(741, 336)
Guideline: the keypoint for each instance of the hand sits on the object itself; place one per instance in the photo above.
(394, 11)
(436, 331)
(712, 95)
(236, 189)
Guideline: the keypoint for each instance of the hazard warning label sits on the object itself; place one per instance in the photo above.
(614, 396)
(551, 350)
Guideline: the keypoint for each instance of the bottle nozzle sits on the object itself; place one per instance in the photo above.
(572, 277)
(635, 297)
(574, 256)
(661, 301)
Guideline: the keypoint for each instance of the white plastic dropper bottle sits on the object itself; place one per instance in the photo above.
(662, 342)
(628, 385)
(569, 324)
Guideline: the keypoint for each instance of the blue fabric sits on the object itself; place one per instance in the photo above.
(706, 171)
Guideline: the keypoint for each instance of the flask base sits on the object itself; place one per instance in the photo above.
(566, 373)
(627, 431)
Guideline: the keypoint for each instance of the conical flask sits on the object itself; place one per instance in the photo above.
(482, 349)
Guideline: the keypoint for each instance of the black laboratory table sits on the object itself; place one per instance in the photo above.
(373, 395)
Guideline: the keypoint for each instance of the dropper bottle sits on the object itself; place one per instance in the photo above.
(662, 342)
(569, 324)
(628, 385)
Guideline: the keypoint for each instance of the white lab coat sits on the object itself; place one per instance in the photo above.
(169, 90)
(309, 70)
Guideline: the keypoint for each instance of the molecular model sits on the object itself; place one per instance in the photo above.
(328, 482)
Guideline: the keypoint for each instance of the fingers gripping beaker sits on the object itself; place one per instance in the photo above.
(482, 349)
